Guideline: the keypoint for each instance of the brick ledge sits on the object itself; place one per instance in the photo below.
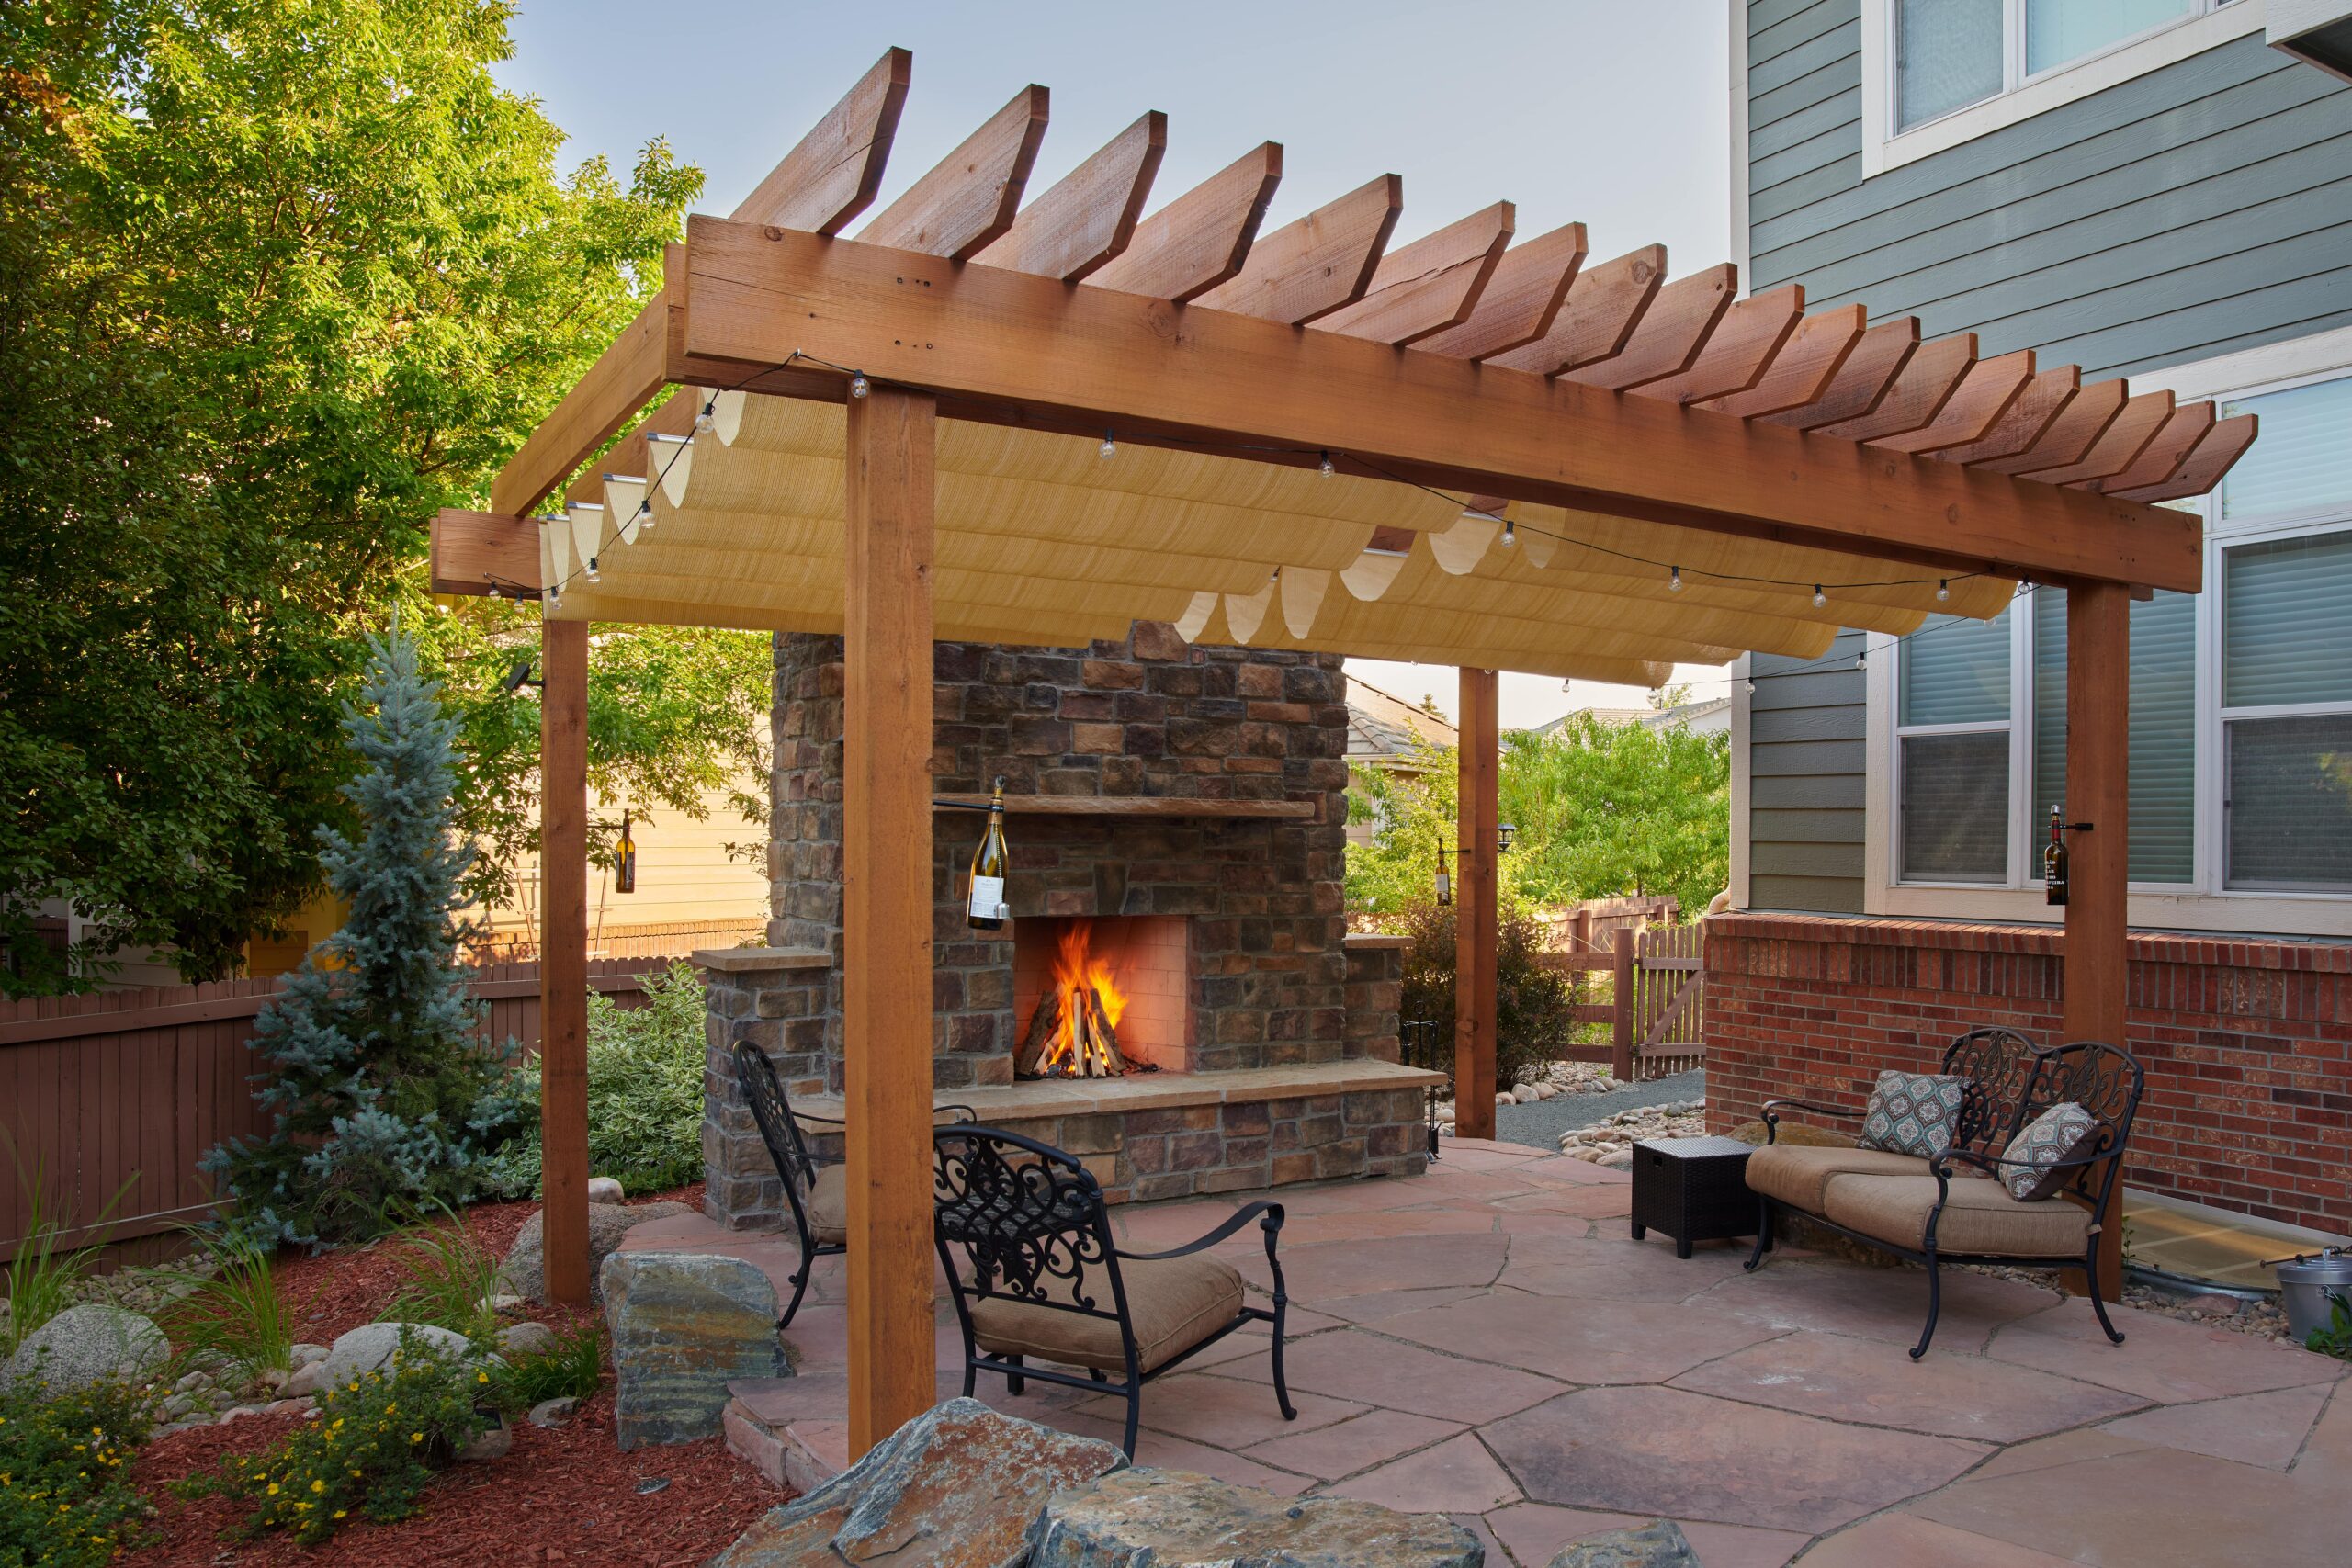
(2313, 956)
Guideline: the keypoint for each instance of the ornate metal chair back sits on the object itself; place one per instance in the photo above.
(773, 1111)
(2103, 1080)
(1029, 1221)
(1998, 1065)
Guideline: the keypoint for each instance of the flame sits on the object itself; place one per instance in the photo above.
(1074, 1052)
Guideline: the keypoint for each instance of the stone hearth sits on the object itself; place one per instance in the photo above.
(1191, 801)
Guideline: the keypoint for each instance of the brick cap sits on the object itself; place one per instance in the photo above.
(1037, 1098)
(2234, 951)
(1374, 939)
(753, 960)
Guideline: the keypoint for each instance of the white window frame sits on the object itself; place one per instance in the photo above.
(2206, 903)
(2013, 726)
(1884, 146)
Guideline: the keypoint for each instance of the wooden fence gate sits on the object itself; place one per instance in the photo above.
(1655, 999)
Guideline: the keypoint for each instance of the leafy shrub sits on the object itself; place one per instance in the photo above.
(2334, 1338)
(234, 1316)
(65, 1494)
(1534, 1019)
(447, 1277)
(370, 1450)
(573, 1367)
(645, 1069)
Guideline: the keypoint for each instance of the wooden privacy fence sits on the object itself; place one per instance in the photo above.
(659, 939)
(124, 1091)
(1591, 926)
(1655, 1000)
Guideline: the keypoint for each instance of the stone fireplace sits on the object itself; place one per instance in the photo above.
(1182, 811)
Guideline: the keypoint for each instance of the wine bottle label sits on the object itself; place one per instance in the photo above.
(988, 899)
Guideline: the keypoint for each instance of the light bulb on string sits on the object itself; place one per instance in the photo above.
(592, 574)
(1751, 688)
(1674, 580)
(1861, 661)
(708, 420)
(1819, 598)
(1328, 469)
(493, 591)
(1510, 533)
(859, 385)
(1110, 447)
(1943, 591)
(645, 513)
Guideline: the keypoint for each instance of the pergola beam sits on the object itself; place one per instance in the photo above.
(835, 171)
(1038, 352)
(969, 198)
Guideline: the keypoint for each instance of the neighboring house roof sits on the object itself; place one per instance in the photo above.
(1382, 728)
(1710, 718)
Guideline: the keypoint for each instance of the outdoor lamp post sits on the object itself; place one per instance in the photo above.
(1503, 832)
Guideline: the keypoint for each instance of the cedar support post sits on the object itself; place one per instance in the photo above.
(563, 955)
(887, 916)
(1476, 811)
(2098, 694)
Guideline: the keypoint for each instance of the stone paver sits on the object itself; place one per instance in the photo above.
(2252, 1428)
(2161, 1358)
(1663, 1452)
(1488, 1342)
(1458, 1474)
(1947, 1396)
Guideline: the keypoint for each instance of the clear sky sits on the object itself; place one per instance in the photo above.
(1609, 112)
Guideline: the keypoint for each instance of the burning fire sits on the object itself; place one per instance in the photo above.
(1085, 1005)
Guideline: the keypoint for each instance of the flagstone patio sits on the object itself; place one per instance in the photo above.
(1488, 1342)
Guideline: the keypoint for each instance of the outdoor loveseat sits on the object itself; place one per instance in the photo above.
(1958, 1205)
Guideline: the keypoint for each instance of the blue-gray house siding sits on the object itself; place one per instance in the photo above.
(2199, 210)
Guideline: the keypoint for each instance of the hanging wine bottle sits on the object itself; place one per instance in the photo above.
(984, 908)
(2053, 862)
(625, 860)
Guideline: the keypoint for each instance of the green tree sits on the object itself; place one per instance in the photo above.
(278, 278)
(383, 1099)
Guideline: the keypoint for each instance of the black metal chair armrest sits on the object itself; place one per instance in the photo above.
(1272, 1225)
(1773, 1109)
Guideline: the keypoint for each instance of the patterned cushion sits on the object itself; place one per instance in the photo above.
(2060, 1133)
(1913, 1113)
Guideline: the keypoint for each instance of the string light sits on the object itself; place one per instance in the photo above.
(859, 385)
(707, 421)
(1943, 591)
(1110, 447)
(1751, 688)
(1861, 661)
(1674, 581)
(493, 591)
(1328, 468)
(1819, 598)
(1511, 533)
(591, 573)
(555, 598)
(645, 512)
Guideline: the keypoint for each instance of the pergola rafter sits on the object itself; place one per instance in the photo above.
(1471, 450)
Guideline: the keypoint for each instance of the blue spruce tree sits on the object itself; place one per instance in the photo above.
(385, 1098)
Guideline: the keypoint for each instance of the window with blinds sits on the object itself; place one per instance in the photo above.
(2162, 730)
(2287, 711)
(1952, 726)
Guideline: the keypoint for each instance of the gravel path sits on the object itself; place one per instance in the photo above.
(1540, 1124)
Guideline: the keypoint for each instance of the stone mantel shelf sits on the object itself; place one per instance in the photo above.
(759, 959)
(1036, 1099)
(1134, 805)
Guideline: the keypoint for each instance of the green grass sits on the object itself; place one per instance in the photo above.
(44, 1275)
(234, 1318)
(449, 1277)
(573, 1367)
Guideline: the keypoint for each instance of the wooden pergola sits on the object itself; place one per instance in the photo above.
(1037, 423)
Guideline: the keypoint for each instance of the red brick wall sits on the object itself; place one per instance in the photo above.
(2247, 1044)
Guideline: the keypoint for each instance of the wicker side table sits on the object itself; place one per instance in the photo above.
(1693, 1189)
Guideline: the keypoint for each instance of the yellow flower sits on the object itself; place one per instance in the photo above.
(318, 1485)
(417, 1437)
(273, 1488)
(340, 1511)
(481, 1377)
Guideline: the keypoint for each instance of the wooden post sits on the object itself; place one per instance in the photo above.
(1475, 815)
(886, 909)
(2099, 697)
(563, 955)
(1620, 984)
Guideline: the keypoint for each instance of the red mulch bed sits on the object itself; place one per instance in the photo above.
(562, 1494)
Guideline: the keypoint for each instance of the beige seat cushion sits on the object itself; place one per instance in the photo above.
(1798, 1175)
(828, 1202)
(1175, 1303)
(1980, 1216)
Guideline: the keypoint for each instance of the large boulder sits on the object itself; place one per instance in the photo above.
(525, 1266)
(371, 1345)
(1658, 1544)
(84, 1345)
(684, 1326)
(959, 1487)
(1171, 1519)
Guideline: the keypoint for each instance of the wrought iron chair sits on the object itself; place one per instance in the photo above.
(1042, 1277)
(1905, 1206)
(815, 1188)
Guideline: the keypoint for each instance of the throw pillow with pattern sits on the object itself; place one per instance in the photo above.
(2063, 1131)
(1913, 1113)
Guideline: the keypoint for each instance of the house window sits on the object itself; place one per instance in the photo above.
(2248, 687)
(1952, 720)
(1950, 54)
